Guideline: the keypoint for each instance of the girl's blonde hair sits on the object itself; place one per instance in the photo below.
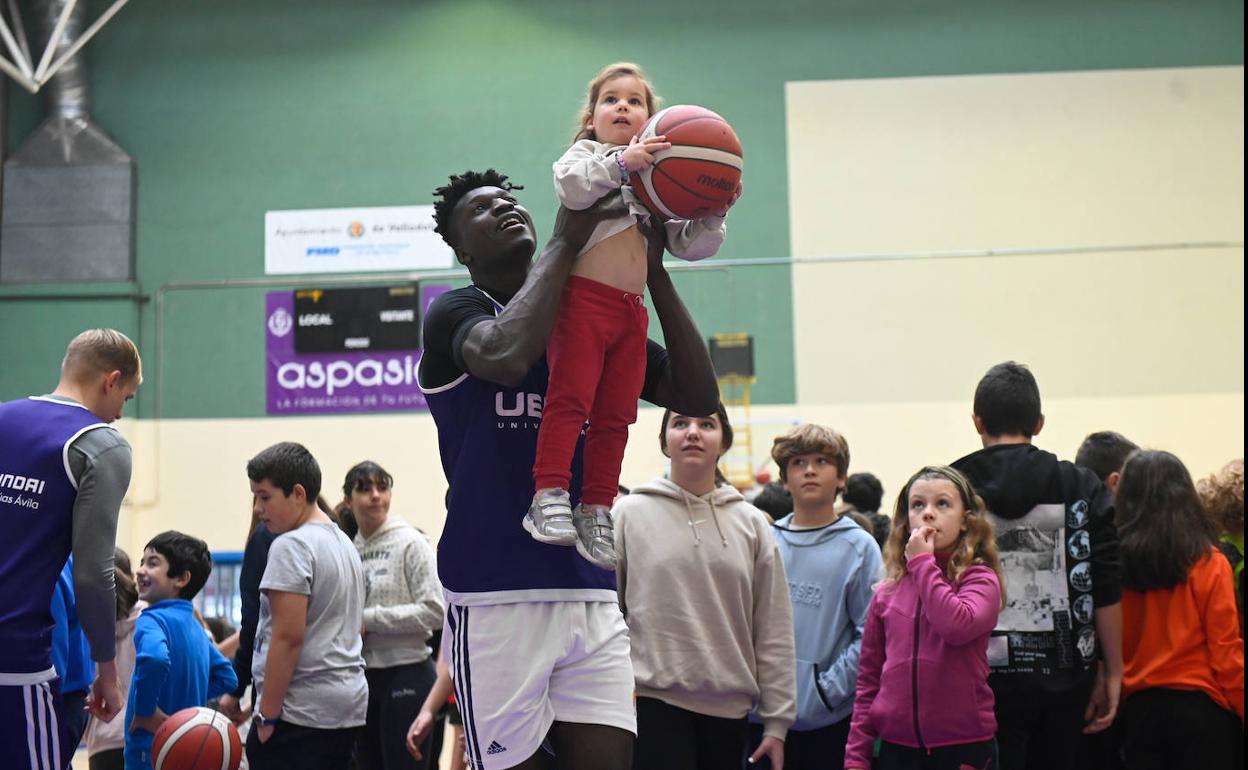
(976, 544)
(584, 119)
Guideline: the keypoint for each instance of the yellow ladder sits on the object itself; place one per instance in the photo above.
(734, 391)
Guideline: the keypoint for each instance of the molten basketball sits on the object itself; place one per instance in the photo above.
(197, 739)
(699, 174)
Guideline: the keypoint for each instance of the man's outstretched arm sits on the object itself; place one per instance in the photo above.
(687, 384)
(504, 349)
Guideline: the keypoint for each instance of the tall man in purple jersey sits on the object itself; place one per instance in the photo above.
(537, 646)
(63, 473)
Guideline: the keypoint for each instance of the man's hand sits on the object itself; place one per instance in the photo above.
(1103, 705)
(575, 227)
(721, 213)
(773, 748)
(656, 242)
(105, 700)
(418, 731)
(151, 722)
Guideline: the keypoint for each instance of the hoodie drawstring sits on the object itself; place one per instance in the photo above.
(715, 518)
(693, 526)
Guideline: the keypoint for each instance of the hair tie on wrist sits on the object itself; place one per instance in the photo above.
(619, 161)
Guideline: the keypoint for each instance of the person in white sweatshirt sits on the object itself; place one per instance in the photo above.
(705, 596)
(403, 606)
(105, 740)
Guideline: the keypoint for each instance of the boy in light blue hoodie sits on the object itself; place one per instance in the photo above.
(832, 566)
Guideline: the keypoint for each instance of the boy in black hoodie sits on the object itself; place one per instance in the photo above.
(1059, 551)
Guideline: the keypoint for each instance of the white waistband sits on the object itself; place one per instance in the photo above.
(480, 598)
(38, 677)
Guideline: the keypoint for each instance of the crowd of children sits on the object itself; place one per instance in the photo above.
(847, 655)
(1015, 611)
(1026, 612)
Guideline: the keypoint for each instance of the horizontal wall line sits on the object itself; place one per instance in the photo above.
(963, 254)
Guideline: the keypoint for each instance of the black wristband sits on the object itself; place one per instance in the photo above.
(262, 721)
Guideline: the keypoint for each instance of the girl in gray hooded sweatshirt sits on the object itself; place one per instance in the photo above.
(403, 606)
(704, 593)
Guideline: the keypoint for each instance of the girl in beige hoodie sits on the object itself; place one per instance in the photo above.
(706, 599)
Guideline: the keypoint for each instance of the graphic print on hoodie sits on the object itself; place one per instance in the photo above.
(1059, 553)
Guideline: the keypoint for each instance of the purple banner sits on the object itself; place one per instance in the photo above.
(336, 383)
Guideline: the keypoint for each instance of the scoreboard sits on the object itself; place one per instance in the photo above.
(357, 319)
(732, 355)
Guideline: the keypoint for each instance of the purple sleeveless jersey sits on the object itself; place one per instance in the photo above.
(487, 437)
(36, 512)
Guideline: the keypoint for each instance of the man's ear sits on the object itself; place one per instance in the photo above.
(979, 424)
(298, 489)
(181, 581)
(112, 379)
(1039, 426)
(1111, 481)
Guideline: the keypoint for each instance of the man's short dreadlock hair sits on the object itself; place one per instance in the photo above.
(459, 186)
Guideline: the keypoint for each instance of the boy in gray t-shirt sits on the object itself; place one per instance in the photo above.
(308, 667)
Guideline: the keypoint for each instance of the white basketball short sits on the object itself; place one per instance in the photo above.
(30, 735)
(518, 668)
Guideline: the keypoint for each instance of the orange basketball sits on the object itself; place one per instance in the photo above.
(197, 739)
(701, 171)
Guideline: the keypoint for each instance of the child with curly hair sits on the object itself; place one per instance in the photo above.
(1223, 497)
(597, 349)
(925, 645)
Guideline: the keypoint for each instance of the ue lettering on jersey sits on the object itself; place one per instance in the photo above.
(487, 438)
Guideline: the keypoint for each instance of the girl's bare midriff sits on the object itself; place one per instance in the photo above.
(619, 262)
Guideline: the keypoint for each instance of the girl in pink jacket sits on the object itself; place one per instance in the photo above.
(923, 673)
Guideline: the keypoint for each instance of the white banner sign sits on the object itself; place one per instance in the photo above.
(381, 239)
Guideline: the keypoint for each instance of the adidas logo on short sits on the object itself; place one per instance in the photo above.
(495, 748)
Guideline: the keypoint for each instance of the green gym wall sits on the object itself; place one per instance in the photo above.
(231, 108)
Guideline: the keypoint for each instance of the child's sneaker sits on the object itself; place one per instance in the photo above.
(549, 519)
(595, 535)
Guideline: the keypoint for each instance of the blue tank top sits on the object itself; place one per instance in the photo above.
(487, 437)
(37, 494)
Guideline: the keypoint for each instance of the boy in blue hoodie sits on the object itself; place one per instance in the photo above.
(832, 566)
(71, 656)
(176, 665)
